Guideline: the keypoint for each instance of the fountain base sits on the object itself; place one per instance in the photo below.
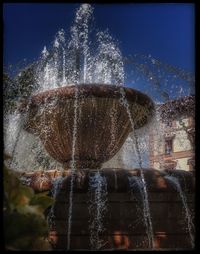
(83, 164)
(123, 221)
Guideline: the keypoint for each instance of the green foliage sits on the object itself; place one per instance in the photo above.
(9, 93)
(18, 88)
(26, 81)
(25, 227)
(41, 201)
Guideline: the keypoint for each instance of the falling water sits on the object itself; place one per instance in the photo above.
(13, 128)
(147, 214)
(57, 183)
(113, 119)
(97, 209)
(176, 184)
(157, 129)
(63, 81)
(73, 167)
(136, 182)
(160, 80)
(68, 61)
(115, 175)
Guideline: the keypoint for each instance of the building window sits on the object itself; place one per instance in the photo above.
(169, 123)
(168, 146)
(170, 165)
(191, 163)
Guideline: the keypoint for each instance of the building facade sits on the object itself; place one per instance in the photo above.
(171, 142)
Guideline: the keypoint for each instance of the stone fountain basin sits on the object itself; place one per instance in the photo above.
(102, 120)
(123, 218)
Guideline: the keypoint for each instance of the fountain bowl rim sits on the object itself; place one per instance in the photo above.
(89, 91)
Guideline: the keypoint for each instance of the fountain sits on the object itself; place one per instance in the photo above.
(93, 133)
(82, 114)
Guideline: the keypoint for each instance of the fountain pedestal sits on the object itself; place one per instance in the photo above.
(123, 220)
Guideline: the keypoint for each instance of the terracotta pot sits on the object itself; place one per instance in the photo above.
(102, 121)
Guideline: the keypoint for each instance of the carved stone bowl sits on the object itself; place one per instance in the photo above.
(96, 115)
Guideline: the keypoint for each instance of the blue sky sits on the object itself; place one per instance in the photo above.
(164, 30)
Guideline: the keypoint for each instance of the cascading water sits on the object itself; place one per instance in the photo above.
(73, 62)
(13, 134)
(113, 126)
(136, 182)
(175, 182)
(146, 211)
(104, 66)
(73, 167)
(97, 209)
(57, 183)
(14, 137)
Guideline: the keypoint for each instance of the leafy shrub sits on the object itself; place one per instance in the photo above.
(25, 227)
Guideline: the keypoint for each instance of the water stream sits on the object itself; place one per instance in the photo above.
(146, 210)
(57, 183)
(175, 182)
(73, 167)
(97, 209)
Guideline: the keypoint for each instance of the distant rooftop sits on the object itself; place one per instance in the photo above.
(184, 106)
